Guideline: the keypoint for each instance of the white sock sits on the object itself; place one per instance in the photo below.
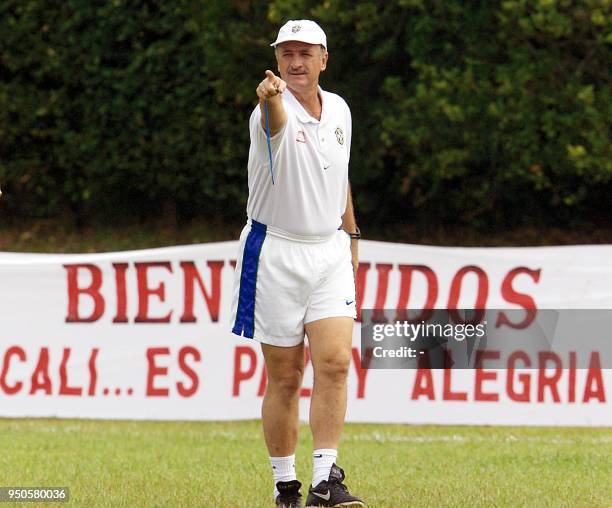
(283, 470)
(322, 461)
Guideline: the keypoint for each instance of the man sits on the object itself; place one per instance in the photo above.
(297, 260)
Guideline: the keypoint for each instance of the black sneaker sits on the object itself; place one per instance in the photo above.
(332, 492)
(289, 494)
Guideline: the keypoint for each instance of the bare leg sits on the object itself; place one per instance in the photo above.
(285, 367)
(330, 348)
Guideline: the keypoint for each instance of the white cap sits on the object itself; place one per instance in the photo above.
(302, 30)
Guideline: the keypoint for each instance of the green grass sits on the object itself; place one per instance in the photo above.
(132, 464)
(54, 235)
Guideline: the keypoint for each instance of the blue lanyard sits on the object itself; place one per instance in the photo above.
(268, 138)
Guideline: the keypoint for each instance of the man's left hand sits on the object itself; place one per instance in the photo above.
(354, 257)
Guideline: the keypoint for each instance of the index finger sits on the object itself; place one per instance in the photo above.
(270, 75)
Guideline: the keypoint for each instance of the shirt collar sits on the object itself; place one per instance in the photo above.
(301, 113)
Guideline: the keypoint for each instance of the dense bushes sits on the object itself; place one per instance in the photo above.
(482, 113)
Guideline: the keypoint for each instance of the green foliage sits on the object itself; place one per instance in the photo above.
(126, 107)
(479, 113)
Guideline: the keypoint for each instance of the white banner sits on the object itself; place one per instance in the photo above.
(145, 335)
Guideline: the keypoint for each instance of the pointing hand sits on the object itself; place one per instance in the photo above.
(271, 86)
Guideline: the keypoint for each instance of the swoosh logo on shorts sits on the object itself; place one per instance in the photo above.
(348, 302)
(323, 496)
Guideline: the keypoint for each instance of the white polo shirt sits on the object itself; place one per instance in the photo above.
(310, 166)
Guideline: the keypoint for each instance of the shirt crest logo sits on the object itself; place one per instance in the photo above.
(301, 137)
(296, 28)
(339, 135)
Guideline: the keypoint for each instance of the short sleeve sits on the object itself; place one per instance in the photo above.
(349, 129)
(259, 138)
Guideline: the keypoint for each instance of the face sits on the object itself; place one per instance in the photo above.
(300, 64)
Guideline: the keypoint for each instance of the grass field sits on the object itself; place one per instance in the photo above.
(48, 235)
(127, 463)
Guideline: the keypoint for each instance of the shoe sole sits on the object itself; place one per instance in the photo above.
(350, 504)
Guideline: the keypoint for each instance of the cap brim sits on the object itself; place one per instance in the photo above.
(314, 39)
